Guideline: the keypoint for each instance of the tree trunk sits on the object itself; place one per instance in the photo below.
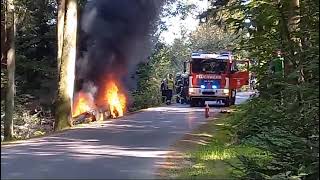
(60, 26)
(3, 32)
(10, 55)
(294, 18)
(285, 39)
(294, 28)
(63, 115)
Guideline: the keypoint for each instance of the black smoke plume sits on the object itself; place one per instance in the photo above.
(117, 37)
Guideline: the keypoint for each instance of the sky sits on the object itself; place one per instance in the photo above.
(190, 23)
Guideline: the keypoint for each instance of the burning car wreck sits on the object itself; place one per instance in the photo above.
(114, 37)
(110, 105)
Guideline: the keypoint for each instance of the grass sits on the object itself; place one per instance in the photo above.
(218, 159)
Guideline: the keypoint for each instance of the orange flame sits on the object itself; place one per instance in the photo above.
(83, 103)
(116, 100)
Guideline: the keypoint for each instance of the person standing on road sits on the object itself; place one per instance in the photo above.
(184, 88)
(170, 85)
(163, 89)
(178, 87)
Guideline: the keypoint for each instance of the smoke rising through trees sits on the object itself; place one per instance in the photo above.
(116, 38)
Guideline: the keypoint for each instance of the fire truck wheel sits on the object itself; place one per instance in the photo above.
(202, 103)
(193, 102)
(234, 97)
(233, 101)
(227, 102)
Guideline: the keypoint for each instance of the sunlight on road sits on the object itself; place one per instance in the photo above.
(132, 145)
(120, 151)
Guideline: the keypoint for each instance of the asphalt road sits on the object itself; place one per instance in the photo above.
(131, 147)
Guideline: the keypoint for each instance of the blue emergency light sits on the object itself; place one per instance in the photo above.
(195, 54)
(225, 53)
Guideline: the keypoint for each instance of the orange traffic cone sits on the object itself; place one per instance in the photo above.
(207, 111)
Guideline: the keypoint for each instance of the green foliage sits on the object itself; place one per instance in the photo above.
(174, 8)
(36, 37)
(212, 38)
(150, 75)
(180, 52)
(35, 66)
(36, 42)
(35, 46)
(284, 119)
(289, 136)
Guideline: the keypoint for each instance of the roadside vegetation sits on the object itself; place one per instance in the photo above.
(283, 120)
(276, 134)
(220, 157)
(236, 149)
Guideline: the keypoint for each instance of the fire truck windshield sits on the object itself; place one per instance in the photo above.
(211, 66)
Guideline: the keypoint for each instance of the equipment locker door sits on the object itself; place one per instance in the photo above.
(239, 75)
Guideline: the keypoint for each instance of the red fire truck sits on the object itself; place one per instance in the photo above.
(215, 77)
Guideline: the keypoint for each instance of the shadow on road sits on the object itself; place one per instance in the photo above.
(128, 147)
(123, 148)
(86, 155)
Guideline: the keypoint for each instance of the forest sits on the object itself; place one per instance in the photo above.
(40, 49)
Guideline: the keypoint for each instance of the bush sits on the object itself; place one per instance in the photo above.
(290, 135)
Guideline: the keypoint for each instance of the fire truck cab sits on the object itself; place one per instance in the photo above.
(214, 77)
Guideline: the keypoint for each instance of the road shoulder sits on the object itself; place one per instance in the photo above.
(180, 159)
(209, 151)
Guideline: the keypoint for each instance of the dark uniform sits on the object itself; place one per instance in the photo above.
(170, 85)
(163, 89)
(184, 89)
(179, 87)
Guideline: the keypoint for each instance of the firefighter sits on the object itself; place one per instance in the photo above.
(170, 85)
(178, 76)
(253, 81)
(277, 72)
(178, 86)
(184, 89)
(163, 89)
(277, 64)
